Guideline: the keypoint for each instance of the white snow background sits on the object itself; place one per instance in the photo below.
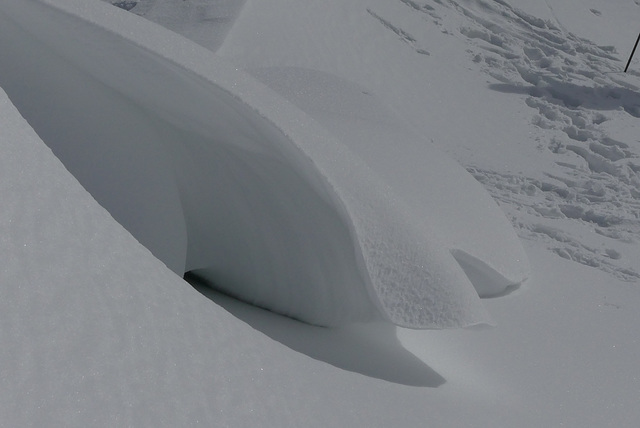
(309, 158)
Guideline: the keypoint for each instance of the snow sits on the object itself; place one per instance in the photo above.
(98, 331)
(297, 225)
(417, 173)
(312, 150)
(204, 21)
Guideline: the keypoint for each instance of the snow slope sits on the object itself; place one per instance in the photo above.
(205, 21)
(98, 332)
(562, 145)
(558, 153)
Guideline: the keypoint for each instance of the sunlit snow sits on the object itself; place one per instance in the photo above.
(353, 165)
(258, 200)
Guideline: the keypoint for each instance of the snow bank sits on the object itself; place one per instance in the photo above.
(217, 174)
(98, 332)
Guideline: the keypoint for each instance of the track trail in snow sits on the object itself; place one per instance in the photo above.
(586, 206)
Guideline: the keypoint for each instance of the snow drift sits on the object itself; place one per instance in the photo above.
(279, 202)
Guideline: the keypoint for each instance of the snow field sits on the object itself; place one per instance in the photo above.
(97, 332)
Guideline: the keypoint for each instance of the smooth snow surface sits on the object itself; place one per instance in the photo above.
(207, 22)
(261, 202)
(98, 332)
(437, 189)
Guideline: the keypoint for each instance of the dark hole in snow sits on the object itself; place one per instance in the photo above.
(206, 287)
(126, 5)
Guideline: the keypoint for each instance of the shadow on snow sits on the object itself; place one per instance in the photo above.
(573, 95)
(369, 349)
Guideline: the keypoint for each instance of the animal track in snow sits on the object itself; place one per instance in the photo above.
(568, 83)
(574, 92)
(404, 36)
(566, 212)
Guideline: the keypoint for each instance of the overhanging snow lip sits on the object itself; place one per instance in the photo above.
(354, 190)
(487, 281)
(241, 88)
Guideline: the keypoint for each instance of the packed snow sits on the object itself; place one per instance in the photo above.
(309, 158)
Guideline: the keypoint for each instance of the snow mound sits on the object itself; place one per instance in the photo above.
(98, 332)
(217, 174)
(442, 194)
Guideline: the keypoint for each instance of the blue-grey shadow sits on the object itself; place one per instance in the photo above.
(572, 95)
(369, 349)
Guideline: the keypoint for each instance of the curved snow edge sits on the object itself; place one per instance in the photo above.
(412, 282)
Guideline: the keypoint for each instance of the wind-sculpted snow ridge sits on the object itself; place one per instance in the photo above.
(480, 238)
(218, 175)
(431, 184)
(583, 111)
